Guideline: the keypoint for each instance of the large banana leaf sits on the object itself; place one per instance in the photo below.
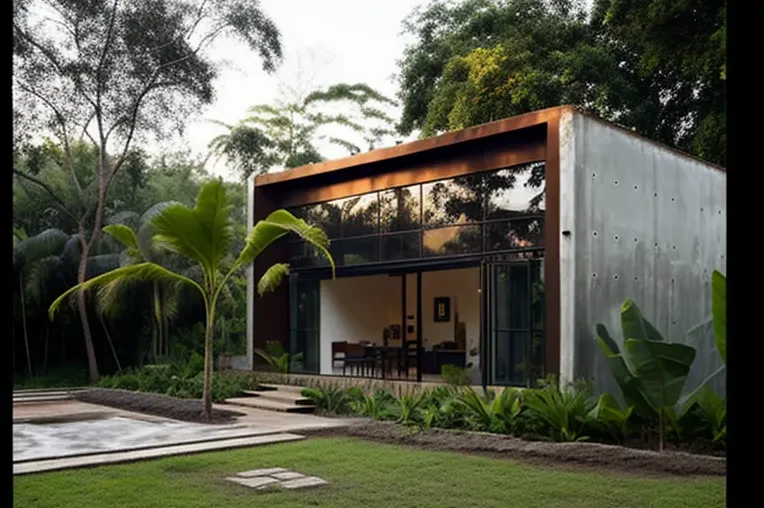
(662, 369)
(629, 384)
(635, 326)
(719, 311)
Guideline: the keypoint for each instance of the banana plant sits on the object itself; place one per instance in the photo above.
(204, 234)
(651, 372)
(700, 394)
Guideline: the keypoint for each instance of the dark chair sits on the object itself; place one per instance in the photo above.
(355, 357)
(339, 352)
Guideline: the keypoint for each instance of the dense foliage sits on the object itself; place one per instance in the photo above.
(102, 75)
(185, 381)
(656, 66)
(46, 264)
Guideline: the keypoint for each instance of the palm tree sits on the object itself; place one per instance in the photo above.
(30, 256)
(139, 247)
(204, 234)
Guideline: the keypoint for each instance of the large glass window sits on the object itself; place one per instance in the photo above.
(400, 209)
(495, 211)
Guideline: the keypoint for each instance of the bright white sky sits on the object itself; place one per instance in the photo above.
(325, 42)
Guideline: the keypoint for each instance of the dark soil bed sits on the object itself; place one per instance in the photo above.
(155, 404)
(587, 455)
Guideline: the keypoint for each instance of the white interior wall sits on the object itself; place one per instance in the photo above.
(356, 309)
(462, 287)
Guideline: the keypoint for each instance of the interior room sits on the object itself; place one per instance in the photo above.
(368, 325)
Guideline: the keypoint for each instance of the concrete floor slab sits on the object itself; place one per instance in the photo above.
(114, 458)
(114, 433)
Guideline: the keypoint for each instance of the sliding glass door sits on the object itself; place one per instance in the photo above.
(304, 310)
(512, 323)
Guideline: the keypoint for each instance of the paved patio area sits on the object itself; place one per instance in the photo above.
(68, 430)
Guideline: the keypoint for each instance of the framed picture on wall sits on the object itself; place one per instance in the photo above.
(442, 309)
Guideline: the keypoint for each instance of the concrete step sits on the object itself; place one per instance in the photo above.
(281, 396)
(283, 388)
(31, 391)
(48, 398)
(269, 404)
(130, 456)
(41, 393)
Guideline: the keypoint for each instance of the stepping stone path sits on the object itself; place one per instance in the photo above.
(275, 477)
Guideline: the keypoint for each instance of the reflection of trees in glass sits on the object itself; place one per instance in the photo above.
(505, 193)
(360, 215)
(452, 240)
(455, 201)
(511, 200)
(399, 209)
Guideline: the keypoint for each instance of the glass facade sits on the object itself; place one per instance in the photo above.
(489, 212)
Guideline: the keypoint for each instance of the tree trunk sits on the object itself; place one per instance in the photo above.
(45, 357)
(83, 311)
(111, 344)
(24, 325)
(660, 431)
(207, 394)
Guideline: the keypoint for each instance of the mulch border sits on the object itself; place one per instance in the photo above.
(591, 456)
(155, 404)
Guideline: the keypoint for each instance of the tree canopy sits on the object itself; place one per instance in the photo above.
(289, 132)
(655, 66)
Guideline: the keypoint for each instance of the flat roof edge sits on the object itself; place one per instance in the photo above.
(421, 145)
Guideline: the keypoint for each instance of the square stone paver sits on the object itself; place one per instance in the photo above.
(310, 481)
(288, 475)
(258, 481)
(262, 472)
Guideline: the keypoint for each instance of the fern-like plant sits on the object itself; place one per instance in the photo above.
(204, 234)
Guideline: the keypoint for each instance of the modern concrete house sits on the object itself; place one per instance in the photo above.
(495, 248)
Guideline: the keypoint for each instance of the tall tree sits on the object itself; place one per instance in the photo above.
(652, 65)
(204, 234)
(675, 53)
(112, 71)
(289, 132)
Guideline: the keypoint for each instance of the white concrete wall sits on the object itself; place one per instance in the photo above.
(646, 223)
(356, 309)
(462, 287)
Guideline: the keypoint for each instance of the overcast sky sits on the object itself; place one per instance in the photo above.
(325, 42)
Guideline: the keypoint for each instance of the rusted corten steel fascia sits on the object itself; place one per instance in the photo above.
(525, 138)
(487, 130)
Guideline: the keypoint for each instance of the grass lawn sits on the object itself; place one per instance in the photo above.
(362, 474)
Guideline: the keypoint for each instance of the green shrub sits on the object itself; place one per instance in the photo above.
(194, 366)
(126, 382)
(491, 412)
(564, 411)
(331, 399)
(156, 378)
(455, 375)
